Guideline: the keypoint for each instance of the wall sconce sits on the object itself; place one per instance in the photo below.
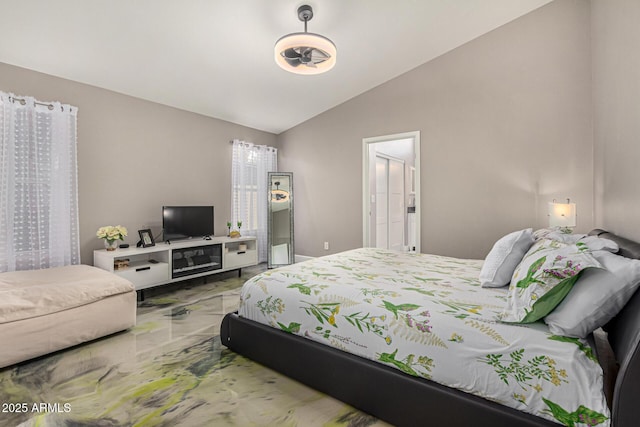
(562, 215)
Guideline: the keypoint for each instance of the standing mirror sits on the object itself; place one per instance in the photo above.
(280, 221)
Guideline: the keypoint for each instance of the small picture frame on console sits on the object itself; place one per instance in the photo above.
(146, 238)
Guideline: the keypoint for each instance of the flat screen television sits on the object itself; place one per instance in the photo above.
(184, 222)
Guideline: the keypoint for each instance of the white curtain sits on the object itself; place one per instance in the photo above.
(38, 184)
(249, 188)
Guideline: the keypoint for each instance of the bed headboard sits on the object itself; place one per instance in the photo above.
(624, 337)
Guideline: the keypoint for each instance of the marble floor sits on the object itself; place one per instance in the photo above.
(170, 370)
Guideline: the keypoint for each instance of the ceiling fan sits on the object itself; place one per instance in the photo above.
(305, 53)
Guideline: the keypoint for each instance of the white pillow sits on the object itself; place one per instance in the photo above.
(597, 296)
(542, 233)
(504, 257)
(594, 243)
(568, 238)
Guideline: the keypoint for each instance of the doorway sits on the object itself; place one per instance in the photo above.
(391, 196)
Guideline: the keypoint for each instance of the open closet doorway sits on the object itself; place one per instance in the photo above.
(391, 195)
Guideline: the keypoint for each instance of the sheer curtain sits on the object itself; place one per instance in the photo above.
(38, 184)
(250, 164)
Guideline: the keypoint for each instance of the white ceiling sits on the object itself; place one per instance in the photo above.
(215, 57)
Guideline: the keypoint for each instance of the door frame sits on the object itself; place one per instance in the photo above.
(366, 200)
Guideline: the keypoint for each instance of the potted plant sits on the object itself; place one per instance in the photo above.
(111, 234)
(236, 233)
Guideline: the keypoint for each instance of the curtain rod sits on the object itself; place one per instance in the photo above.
(23, 101)
(255, 145)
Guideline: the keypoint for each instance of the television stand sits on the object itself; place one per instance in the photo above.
(171, 262)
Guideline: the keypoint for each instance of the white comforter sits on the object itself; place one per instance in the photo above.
(427, 315)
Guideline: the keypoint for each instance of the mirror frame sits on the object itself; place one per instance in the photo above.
(270, 179)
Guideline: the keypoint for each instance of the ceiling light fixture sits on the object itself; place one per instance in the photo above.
(278, 195)
(305, 53)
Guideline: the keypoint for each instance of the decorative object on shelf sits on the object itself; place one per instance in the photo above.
(305, 53)
(111, 234)
(110, 245)
(228, 228)
(121, 264)
(562, 216)
(146, 238)
(236, 233)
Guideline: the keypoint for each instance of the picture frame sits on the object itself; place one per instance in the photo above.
(146, 238)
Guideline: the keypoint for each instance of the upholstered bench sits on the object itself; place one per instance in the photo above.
(42, 311)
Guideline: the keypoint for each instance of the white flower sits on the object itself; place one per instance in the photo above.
(111, 233)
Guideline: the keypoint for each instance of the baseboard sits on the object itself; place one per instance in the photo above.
(302, 258)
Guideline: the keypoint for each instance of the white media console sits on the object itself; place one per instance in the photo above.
(185, 259)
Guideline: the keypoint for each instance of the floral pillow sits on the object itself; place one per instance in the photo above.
(543, 278)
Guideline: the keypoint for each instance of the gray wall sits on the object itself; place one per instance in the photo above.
(505, 125)
(134, 156)
(616, 100)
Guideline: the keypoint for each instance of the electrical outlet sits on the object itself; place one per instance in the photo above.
(326, 246)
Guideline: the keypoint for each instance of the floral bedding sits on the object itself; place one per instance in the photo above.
(427, 316)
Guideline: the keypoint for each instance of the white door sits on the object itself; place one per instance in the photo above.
(396, 205)
(390, 216)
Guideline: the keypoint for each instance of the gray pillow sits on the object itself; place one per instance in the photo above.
(596, 297)
(504, 257)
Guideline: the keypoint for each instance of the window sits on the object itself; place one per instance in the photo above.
(250, 165)
(38, 184)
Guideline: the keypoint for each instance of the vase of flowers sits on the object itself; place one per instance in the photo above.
(228, 228)
(111, 235)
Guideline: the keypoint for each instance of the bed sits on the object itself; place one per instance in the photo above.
(407, 386)
(42, 311)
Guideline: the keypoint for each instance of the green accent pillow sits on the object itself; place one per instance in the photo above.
(544, 277)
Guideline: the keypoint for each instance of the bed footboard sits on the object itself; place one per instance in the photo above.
(376, 389)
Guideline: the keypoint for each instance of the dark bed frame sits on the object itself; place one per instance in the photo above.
(405, 400)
